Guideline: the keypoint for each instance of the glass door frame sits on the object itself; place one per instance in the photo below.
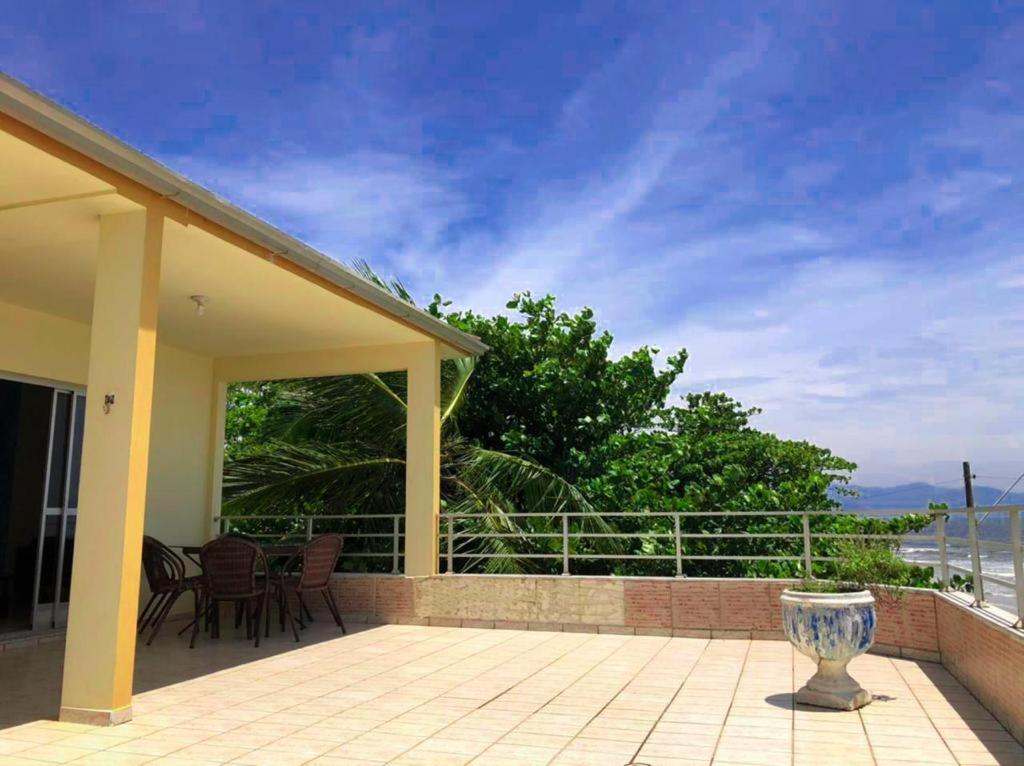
(53, 614)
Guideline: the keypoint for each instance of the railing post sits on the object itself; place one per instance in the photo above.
(565, 544)
(972, 540)
(808, 561)
(224, 525)
(450, 569)
(309, 528)
(940, 539)
(1018, 565)
(396, 531)
(679, 546)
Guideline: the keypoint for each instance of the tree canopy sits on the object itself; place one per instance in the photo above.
(548, 421)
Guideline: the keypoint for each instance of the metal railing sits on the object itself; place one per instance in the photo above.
(567, 536)
(294, 529)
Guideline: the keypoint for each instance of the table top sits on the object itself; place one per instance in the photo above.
(277, 549)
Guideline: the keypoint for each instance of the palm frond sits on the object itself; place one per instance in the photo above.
(393, 285)
(498, 488)
(364, 409)
(455, 375)
(290, 478)
(516, 481)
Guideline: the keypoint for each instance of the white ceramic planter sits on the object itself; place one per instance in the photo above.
(831, 629)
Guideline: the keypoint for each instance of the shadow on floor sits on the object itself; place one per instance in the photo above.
(30, 677)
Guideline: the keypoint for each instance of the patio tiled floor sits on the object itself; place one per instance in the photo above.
(418, 695)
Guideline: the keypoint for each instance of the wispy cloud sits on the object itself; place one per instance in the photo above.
(823, 206)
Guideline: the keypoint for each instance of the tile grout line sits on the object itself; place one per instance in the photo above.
(675, 694)
(792, 702)
(360, 633)
(507, 690)
(743, 669)
(612, 698)
(425, 675)
(263, 718)
(514, 635)
(925, 711)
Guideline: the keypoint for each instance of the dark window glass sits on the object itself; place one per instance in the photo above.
(76, 451)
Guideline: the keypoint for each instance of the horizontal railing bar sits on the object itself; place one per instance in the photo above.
(589, 556)
(499, 535)
(877, 514)
(353, 516)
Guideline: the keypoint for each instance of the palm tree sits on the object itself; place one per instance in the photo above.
(338, 447)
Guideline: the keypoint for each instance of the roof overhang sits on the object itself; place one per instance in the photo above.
(67, 129)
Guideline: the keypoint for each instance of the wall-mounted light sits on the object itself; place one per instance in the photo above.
(200, 301)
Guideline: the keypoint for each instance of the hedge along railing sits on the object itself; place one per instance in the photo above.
(459, 532)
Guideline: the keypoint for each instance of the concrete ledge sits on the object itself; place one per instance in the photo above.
(728, 608)
(95, 717)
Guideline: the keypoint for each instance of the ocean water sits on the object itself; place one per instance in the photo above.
(995, 563)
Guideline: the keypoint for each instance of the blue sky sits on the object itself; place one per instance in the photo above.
(822, 202)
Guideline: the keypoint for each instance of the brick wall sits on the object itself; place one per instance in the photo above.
(987, 658)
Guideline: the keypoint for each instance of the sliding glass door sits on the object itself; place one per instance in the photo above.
(59, 511)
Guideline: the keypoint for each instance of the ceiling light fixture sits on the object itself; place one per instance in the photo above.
(200, 301)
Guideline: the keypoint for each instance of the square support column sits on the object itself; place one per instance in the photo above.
(99, 659)
(423, 460)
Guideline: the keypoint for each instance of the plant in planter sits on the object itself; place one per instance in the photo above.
(832, 621)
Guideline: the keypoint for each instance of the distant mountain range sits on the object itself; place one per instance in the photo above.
(919, 494)
(912, 497)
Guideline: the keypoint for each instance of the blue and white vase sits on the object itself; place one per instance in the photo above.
(831, 629)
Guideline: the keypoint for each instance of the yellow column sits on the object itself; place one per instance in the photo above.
(423, 460)
(99, 658)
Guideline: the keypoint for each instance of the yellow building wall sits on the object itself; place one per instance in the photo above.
(39, 345)
(43, 346)
(177, 494)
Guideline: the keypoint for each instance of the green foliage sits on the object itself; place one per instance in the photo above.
(249, 405)
(871, 564)
(336, 446)
(549, 388)
(547, 422)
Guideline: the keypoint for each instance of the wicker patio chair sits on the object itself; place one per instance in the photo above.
(235, 572)
(317, 559)
(165, 575)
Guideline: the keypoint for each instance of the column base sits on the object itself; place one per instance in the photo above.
(833, 687)
(95, 717)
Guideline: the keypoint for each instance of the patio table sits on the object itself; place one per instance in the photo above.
(270, 551)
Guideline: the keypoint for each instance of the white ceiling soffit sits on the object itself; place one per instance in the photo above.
(33, 109)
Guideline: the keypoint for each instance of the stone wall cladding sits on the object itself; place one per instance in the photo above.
(393, 598)
(987, 658)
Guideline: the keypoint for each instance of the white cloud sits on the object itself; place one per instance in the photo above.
(888, 327)
(361, 205)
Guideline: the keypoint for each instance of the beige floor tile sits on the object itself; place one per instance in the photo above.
(421, 695)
